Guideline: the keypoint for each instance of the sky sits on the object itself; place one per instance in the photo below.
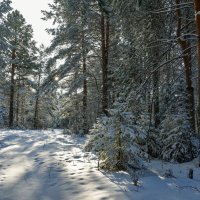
(31, 10)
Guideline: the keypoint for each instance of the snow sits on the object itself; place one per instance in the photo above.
(47, 165)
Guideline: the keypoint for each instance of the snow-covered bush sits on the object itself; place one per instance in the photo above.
(153, 146)
(176, 136)
(178, 142)
(114, 140)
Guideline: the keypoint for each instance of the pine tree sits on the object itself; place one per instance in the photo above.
(22, 55)
(197, 21)
(76, 38)
(4, 46)
(177, 137)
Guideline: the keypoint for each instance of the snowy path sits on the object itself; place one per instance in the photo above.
(46, 165)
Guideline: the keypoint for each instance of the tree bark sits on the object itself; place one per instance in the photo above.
(187, 59)
(17, 106)
(105, 34)
(197, 21)
(35, 123)
(156, 26)
(12, 90)
(35, 120)
(156, 94)
(85, 91)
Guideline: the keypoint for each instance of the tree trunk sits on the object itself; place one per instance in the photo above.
(104, 49)
(85, 92)
(35, 121)
(187, 59)
(36, 112)
(197, 20)
(18, 101)
(76, 112)
(12, 90)
(17, 107)
(22, 108)
(155, 54)
(156, 93)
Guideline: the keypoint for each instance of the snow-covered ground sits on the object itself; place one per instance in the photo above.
(47, 165)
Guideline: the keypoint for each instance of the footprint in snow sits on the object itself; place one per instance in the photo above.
(36, 159)
(82, 183)
(68, 159)
(69, 188)
(74, 192)
(53, 184)
(100, 188)
(52, 154)
(104, 198)
(60, 170)
(76, 157)
(65, 183)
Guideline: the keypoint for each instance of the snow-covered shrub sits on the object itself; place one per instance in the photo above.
(153, 146)
(177, 139)
(176, 136)
(114, 139)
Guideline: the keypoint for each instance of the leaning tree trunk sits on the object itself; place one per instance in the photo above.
(197, 20)
(12, 90)
(104, 49)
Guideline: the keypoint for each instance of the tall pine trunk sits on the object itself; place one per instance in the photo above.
(85, 91)
(156, 27)
(187, 60)
(156, 94)
(197, 21)
(104, 49)
(17, 106)
(12, 90)
(36, 112)
(35, 120)
(84, 71)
